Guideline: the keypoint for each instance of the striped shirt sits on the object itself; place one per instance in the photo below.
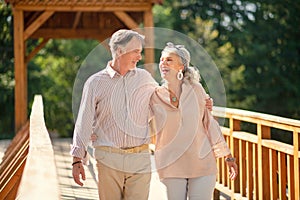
(115, 108)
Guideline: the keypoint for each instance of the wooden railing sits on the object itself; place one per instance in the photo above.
(39, 179)
(268, 169)
(28, 168)
(13, 162)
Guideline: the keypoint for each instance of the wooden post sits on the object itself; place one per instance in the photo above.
(296, 141)
(20, 71)
(263, 132)
(149, 50)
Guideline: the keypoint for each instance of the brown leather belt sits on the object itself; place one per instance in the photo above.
(136, 149)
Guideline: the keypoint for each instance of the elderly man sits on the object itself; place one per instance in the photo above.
(115, 107)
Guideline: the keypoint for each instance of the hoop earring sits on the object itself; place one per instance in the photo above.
(180, 75)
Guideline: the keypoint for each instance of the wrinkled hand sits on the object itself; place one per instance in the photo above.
(233, 170)
(78, 172)
(209, 102)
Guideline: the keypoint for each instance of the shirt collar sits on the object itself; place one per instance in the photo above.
(111, 72)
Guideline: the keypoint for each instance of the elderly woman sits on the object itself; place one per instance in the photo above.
(188, 138)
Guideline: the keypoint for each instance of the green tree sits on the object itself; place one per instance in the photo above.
(58, 64)
(260, 66)
(6, 73)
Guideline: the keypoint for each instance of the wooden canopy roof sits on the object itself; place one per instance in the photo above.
(69, 19)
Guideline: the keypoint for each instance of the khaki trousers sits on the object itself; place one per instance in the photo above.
(123, 176)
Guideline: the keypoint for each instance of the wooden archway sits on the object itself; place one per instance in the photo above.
(85, 19)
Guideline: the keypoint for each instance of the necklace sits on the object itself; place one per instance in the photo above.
(172, 96)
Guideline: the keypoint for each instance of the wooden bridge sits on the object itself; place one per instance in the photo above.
(36, 166)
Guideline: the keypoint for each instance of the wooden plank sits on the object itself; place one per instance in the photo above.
(225, 130)
(296, 142)
(13, 144)
(249, 115)
(149, 42)
(279, 146)
(36, 24)
(290, 177)
(282, 175)
(273, 174)
(249, 169)
(20, 71)
(263, 162)
(13, 163)
(13, 155)
(255, 172)
(87, 8)
(126, 19)
(242, 135)
(87, 33)
(9, 191)
(242, 167)
(76, 20)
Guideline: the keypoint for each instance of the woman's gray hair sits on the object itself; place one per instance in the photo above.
(190, 73)
(121, 37)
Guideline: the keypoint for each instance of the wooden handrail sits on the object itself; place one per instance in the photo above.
(39, 179)
(13, 162)
(268, 169)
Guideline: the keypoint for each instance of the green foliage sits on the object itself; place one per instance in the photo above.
(54, 70)
(255, 44)
(6, 73)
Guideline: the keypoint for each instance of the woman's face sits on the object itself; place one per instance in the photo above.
(169, 65)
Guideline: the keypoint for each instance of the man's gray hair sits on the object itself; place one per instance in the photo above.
(121, 37)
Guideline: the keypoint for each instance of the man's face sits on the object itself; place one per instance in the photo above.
(132, 54)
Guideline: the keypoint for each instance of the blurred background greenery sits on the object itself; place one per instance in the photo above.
(255, 45)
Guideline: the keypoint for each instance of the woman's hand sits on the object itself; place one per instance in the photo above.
(232, 167)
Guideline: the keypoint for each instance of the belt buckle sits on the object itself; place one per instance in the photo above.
(130, 150)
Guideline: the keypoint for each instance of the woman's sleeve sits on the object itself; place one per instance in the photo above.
(215, 135)
(212, 128)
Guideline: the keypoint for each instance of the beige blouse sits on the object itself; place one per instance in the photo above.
(189, 139)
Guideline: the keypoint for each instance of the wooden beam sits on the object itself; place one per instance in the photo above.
(296, 142)
(74, 33)
(37, 23)
(76, 20)
(263, 132)
(36, 50)
(20, 71)
(149, 38)
(87, 8)
(126, 19)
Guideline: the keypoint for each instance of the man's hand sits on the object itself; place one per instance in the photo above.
(209, 103)
(78, 171)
